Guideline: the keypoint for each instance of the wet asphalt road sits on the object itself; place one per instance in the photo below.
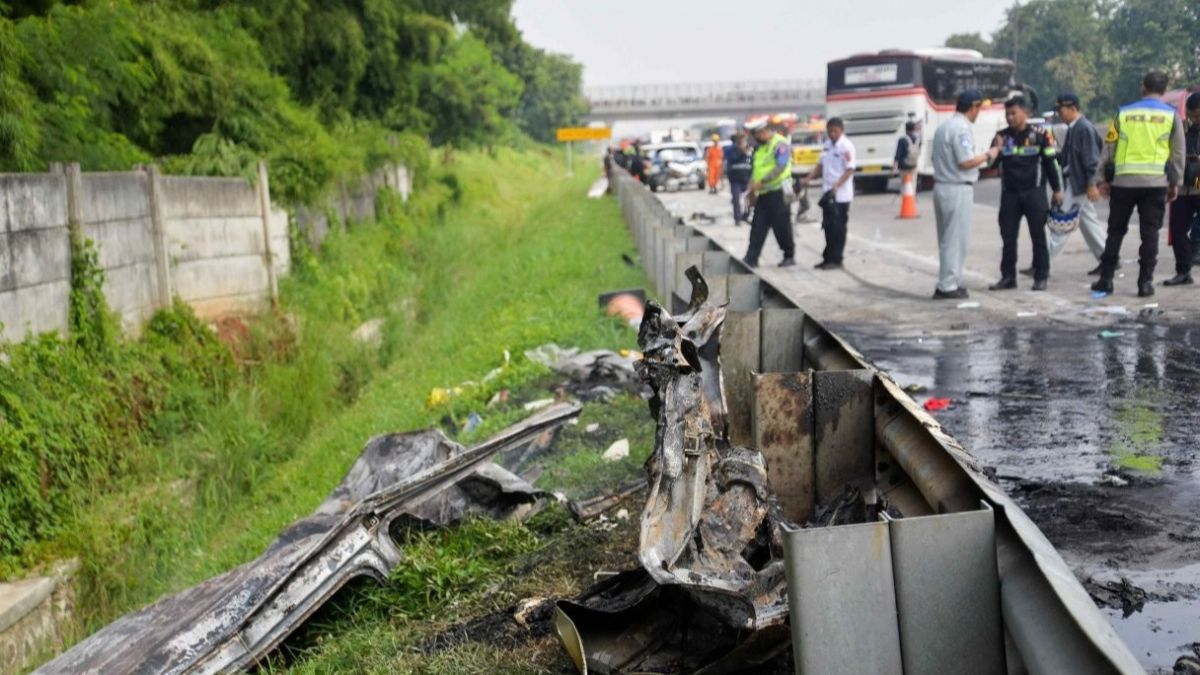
(1095, 437)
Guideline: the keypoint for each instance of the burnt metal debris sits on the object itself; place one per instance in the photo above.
(233, 620)
(711, 595)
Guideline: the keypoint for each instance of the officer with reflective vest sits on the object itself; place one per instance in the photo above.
(771, 169)
(1144, 150)
(1026, 155)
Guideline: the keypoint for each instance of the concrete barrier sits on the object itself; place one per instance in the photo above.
(216, 243)
(35, 260)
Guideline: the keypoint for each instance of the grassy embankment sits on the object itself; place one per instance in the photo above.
(498, 254)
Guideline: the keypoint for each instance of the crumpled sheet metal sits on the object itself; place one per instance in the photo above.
(233, 620)
(711, 594)
(709, 504)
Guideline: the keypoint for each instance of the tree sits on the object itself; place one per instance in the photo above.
(1155, 35)
(468, 95)
(974, 41)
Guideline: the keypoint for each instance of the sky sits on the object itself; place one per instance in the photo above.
(660, 41)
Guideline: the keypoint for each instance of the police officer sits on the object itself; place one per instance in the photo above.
(771, 168)
(1145, 136)
(955, 170)
(1025, 155)
(1185, 211)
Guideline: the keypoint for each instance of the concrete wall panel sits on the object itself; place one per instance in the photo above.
(39, 256)
(203, 238)
(217, 277)
(198, 197)
(32, 201)
(35, 309)
(108, 197)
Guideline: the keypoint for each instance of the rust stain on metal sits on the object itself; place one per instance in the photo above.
(784, 425)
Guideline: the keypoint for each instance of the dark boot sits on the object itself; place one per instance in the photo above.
(1103, 285)
(1179, 280)
(1145, 289)
(1039, 284)
(1005, 284)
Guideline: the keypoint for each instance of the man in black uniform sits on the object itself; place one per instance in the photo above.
(1026, 154)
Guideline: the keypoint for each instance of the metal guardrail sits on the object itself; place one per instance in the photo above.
(1050, 623)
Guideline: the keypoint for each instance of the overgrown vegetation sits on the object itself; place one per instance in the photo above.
(323, 90)
(1099, 49)
(181, 455)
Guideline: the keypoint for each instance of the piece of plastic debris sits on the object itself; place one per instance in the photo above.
(936, 404)
(550, 354)
(623, 514)
(538, 404)
(1117, 310)
(473, 422)
(914, 388)
(1109, 334)
(970, 304)
(440, 395)
(1151, 305)
(1113, 480)
(560, 497)
(592, 428)
(498, 398)
(617, 451)
(369, 333)
(1026, 314)
(1096, 295)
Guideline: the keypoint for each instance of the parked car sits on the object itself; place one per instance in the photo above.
(674, 166)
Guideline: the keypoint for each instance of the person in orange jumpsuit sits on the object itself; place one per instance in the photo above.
(714, 155)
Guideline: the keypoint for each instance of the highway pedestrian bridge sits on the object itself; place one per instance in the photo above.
(715, 99)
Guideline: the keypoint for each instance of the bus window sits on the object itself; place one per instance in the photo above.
(945, 79)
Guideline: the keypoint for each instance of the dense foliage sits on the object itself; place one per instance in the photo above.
(1099, 49)
(321, 88)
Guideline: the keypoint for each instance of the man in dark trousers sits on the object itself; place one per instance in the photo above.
(1185, 210)
(771, 167)
(836, 173)
(1025, 155)
(737, 170)
(1145, 137)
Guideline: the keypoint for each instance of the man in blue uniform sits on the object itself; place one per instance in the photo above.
(1026, 154)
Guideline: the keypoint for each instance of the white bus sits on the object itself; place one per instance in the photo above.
(876, 94)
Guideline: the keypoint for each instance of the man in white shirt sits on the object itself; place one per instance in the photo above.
(836, 173)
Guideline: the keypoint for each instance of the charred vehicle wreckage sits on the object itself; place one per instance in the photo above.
(801, 513)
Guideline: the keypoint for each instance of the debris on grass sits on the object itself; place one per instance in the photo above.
(617, 451)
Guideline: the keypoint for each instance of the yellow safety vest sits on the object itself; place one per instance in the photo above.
(764, 164)
(1144, 138)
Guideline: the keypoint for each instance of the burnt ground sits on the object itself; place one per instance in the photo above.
(1095, 437)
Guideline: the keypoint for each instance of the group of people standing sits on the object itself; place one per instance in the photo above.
(1149, 158)
(1146, 161)
(763, 179)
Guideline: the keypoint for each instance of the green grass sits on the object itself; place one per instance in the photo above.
(516, 260)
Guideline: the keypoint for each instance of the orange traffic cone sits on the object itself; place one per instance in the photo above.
(908, 196)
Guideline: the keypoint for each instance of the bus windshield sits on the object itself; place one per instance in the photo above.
(875, 73)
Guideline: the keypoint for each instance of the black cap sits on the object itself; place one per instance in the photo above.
(1193, 100)
(1067, 99)
(970, 97)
